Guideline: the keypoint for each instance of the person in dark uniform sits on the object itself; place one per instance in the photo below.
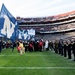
(12, 46)
(17, 43)
(56, 46)
(53, 45)
(60, 45)
(69, 49)
(25, 43)
(50, 45)
(65, 48)
(0, 46)
(36, 48)
(73, 47)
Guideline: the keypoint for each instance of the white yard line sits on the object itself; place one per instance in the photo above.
(25, 55)
(35, 68)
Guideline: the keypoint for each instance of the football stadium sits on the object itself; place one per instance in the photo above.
(37, 45)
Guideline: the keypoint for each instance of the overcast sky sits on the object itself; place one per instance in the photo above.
(38, 8)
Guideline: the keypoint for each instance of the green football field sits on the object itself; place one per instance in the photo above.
(35, 63)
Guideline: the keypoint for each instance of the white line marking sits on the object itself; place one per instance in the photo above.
(33, 68)
(25, 55)
(9, 55)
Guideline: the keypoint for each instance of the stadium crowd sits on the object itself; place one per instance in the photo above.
(53, 28)
(48, 18)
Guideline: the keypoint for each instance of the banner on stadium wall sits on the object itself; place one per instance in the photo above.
(10, 25)
(26, 34)
(31, 32)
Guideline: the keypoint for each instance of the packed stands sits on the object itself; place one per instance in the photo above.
(49, 25)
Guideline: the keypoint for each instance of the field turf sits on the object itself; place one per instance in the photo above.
(35, 63)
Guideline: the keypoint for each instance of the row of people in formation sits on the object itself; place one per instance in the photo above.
(63, 47)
